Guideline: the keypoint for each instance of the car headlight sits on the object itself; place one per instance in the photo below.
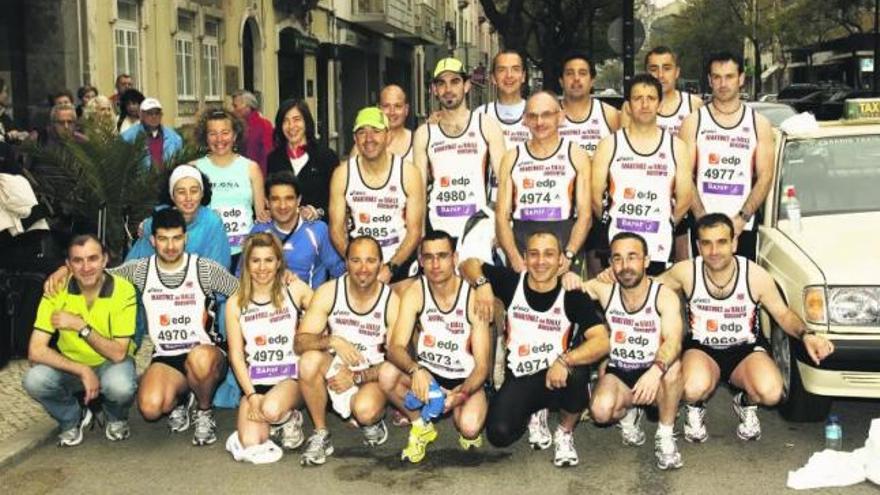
(814, 305)
(859, 306)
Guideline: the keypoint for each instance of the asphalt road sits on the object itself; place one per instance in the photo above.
(152, 461)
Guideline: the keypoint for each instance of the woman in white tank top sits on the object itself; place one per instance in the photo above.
(261, 321)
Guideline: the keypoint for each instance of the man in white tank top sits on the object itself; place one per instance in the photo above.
(646, 175)
(395, 106)
(587, 120)
(643, 370)
(358, 310)
(544, 185)
(724, 293)
(453, 348)
(379, 196)
(552, 337)
(455, 154)
(508, 77)
(662, 63)
(733, 149)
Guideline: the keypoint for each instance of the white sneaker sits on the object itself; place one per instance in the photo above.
(317, 449)
(630, 425)
(179, 419)
(73, 436)
(117, 430)
(375, 435)
(565, 454)
(540, 437)
(749, 425)
(694, 425)
(290, 433)
(205, 432)
(666, 451)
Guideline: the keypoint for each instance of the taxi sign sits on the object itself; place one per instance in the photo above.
(862, 108)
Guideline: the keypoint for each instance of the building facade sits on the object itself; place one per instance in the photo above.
(336, 54)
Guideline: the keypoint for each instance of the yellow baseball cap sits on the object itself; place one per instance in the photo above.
(449, 64)
(370, 117)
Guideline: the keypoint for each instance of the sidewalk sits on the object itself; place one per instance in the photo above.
(24, 425)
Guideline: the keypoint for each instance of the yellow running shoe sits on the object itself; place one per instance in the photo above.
(467, 444)
(420, 435)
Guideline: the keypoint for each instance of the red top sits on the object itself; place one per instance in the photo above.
(257, 139)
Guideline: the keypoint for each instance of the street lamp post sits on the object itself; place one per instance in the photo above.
(875, 83)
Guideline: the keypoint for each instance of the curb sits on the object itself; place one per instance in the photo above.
(16, 448)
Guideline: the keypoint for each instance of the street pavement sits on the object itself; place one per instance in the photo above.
(153, 461)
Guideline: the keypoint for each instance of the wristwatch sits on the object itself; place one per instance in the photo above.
(84, 332)
(662, 365)
(569, 255)
(480, 281)
(745, 216)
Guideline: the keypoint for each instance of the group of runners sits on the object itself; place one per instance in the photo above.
(566, 230)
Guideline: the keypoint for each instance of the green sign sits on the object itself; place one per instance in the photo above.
(862, 108)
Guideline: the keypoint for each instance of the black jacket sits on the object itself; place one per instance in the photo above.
(314, 178)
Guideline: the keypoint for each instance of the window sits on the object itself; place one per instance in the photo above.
(211, 60)
(126, 38)
(183, 51)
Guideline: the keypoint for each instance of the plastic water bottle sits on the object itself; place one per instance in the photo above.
(793, 208)
(833, 433)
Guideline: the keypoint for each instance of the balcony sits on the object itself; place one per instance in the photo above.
(429, 27)
(391, 17)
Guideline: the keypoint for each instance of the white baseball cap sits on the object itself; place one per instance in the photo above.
(150, 104)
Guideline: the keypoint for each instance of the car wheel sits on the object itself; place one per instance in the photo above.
(797, 405)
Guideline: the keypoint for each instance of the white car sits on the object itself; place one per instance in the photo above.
(827, 264)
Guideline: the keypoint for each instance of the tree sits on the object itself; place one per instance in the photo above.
(544, 30)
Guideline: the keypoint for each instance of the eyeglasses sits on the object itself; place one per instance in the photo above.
(542, 115)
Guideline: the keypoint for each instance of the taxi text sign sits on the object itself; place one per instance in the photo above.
(862, 108)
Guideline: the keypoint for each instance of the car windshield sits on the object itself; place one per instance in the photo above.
(833, 175)
(794, 92)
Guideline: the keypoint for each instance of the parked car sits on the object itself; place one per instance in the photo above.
(776, 113)
(832, 108)
(828, 267)
(797, 91)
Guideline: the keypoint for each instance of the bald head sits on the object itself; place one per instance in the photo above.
(392, 101)
(543, 115)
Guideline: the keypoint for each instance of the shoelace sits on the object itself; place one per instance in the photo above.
(666, 443)
(316, 442)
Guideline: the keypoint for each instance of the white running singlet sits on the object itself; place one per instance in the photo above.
(535, 339)
(378, 212)
(268, 340)
(458, 167)
(176, 316)
(544, 188)
(515, 132)
(635, 336)
(723, 323)
(588, 132)
(672, 123)
(640, 191)
(726, 162)
(444, 342)
(365, 331)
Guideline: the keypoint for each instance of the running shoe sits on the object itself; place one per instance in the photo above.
(630, 425)
(749, 425)
(290, 433)
(468, 444)
(694, 424)
(318, 447)
(565, 454)
(205, 432)
(420, 436)
(117, 430)
(375, 435)
(179, 419)
(666, 451)
(73, 436)
(540, 437)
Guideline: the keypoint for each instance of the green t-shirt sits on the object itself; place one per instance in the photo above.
(112, 315)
